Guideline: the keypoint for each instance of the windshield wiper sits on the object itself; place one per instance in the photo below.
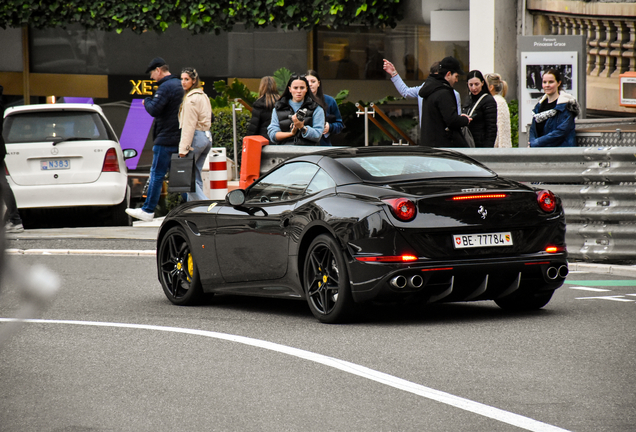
(72, 139)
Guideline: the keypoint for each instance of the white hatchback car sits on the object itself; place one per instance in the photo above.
(66, 155)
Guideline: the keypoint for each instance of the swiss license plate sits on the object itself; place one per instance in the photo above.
(482, 240)
(55, 164)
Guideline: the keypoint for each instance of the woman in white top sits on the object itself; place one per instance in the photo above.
(195, 118)
(498, 88)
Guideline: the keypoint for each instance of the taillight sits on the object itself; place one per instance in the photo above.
(111, 163)
(404, 209)
(6, 170)
(546, 201)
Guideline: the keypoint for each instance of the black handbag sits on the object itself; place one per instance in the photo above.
(182, 173)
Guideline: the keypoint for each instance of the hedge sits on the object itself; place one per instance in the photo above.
(199, 16)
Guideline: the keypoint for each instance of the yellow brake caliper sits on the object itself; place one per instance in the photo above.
(190, 267)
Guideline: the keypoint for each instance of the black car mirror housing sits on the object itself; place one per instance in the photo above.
(235, 198)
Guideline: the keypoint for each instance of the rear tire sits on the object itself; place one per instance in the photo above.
(525, 301)
(326, 281)
(116, 215)
(178, 272)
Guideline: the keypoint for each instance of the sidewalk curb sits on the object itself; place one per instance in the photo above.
(96, 252)
(612, 269)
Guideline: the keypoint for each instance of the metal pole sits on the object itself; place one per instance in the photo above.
(235, 107)
(26, 78)
(366, 126)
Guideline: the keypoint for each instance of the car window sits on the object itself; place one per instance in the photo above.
(321, 181)
(407, 167)
(286, 183)
(53, 126)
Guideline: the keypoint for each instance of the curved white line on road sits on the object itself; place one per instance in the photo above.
(345, 366)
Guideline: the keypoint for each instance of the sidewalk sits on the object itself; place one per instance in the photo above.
(140, 230)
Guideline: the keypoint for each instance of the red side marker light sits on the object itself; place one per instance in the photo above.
(552, 249)
(437, 269)
(385, 258)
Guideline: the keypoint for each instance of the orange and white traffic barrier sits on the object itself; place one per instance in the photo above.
(217, 175)
(251, 160)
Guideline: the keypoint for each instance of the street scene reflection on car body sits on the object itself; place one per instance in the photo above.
(343, 227)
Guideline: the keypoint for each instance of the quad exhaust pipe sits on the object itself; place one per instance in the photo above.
(553, 272)
(401, 282)
(416, 281)
(398, 282)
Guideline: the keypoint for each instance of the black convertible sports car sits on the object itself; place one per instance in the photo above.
(351, 225)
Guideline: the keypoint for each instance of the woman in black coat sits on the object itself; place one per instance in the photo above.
(263, 106)
(481, 107)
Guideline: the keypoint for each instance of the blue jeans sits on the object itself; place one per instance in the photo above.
(160, 166)
(201, 146)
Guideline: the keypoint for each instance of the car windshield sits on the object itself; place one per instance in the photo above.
(391, 168)
(40, 126)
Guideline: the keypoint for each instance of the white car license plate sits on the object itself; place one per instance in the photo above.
(55, 164)
(482, 240)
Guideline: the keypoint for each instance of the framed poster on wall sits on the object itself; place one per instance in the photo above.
(538, 54)
(534, 65)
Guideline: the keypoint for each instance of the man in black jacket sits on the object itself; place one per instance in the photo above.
(164, 107)
(440, 123)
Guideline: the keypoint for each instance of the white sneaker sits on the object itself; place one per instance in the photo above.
(10, 227)
(140, 214)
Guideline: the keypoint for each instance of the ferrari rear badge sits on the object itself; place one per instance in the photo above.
(471, 190)
(482, 211)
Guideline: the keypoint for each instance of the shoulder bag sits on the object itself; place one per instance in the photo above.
(466, 134)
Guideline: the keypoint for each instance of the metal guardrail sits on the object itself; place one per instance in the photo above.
(597, 185)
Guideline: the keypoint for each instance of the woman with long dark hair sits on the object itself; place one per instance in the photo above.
(298, 117)
(481, 107)
(263, 106)
(554, 115)
(333, 119)
(195, 118)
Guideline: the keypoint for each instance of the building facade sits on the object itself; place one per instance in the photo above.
(108, 67)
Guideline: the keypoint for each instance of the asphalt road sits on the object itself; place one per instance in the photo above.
(110, 353)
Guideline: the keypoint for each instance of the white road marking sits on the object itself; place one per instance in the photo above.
(589, 289)
(619, 298)
(352, 368)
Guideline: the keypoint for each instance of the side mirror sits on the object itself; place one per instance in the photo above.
(129, 153)
(235, 198)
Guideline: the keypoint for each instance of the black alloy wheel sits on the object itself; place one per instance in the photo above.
(326, 281)
(525, 301)
(178, 272)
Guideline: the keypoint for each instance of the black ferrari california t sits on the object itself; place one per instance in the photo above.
(345, 226)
